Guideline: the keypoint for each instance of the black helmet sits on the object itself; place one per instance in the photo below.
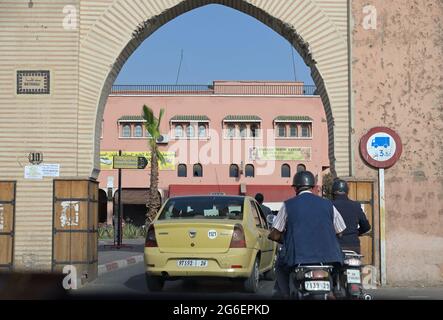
(340, 186)
(303, 179)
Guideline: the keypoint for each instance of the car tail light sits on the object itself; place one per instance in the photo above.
(317, 274)
(238, 237)
(151, 241)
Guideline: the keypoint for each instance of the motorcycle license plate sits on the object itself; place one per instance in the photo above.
(317, 286)
(353, 276)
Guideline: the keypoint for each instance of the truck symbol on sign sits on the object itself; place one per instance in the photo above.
(381, 142)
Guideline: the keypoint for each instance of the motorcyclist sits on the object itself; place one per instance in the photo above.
(308, 225)
(353, 215)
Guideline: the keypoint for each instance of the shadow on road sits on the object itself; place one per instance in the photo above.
(198, 288)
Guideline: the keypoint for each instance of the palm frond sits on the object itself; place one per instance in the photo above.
(148, 114)
(160, 116)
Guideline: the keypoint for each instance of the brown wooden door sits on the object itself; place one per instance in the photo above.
(363, 192)
(75, 223)
(7, 219)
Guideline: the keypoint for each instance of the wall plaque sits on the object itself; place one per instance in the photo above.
(33, 82)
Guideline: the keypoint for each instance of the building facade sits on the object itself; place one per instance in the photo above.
(226, 138)
(376, 63)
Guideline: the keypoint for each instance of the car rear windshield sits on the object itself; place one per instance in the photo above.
(203, 208)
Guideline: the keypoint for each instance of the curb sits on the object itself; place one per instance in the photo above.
(119, 264)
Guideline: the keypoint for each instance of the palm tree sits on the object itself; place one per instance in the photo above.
(152, 126)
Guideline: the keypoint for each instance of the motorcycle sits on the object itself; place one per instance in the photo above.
(349, 284)
(312, 282)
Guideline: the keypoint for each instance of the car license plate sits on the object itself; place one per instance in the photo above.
(188, 263)
(317, 285)
(353, 276)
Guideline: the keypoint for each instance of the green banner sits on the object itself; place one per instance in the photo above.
(280, 153)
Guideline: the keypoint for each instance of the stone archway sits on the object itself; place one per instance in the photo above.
(106, 44)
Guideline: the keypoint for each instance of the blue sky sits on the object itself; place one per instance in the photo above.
(218, 43)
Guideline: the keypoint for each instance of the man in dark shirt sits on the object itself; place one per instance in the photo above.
(353, 215)
(260, 198)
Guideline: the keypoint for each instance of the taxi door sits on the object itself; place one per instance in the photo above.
(266, 245)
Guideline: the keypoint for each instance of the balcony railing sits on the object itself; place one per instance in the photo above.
(217, 89)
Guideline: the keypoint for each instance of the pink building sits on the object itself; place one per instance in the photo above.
(229, 137)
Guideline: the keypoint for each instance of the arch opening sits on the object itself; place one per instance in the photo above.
(147, 27)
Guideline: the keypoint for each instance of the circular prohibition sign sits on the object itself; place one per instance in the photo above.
(381, 147)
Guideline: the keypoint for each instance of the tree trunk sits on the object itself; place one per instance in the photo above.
(154, 201)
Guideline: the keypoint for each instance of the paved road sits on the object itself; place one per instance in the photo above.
(130, 282)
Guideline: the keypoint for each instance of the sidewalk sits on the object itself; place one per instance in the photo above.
(111, 259)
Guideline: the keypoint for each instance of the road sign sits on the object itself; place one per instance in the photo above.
(129, 162)
(381, 147)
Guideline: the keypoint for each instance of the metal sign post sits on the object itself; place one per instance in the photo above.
(381, 197)
(123, 162)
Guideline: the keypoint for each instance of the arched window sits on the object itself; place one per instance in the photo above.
(138, 131)
(126, 131)
(254, 131)
(182, 170)
(230, 133)
(301, 167)
(190, 131)
(293, 130)
(281, 130)
(198, 170)
(285, 171)
(305, 130)
(243, 131)
(249, 170)
(233, 171)
(202, 131)
(179, 131)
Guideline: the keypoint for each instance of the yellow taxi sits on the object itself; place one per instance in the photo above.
(209, 236)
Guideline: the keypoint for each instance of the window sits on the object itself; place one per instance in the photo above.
(256, 215)
(233, 171)
(254, 131)
(301, 167)
(249, 170)
(138, 131)
(243, 131)
(202, 131)
(285, 171)
(262, 216)
(203, 207)
(190, 131)
(230, 133)
(293, 130)
(178, 131)
(198, 170)
(182, 170)
(305, 130)
(126, 131)
(281, 130)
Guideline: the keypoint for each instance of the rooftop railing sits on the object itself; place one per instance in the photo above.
(217, 89)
